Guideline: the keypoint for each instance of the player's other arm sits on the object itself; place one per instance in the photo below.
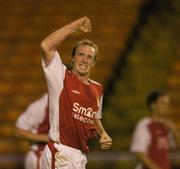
(176, 135)
(105, 139)
(146, 160)
(172, 127)
(50, 44)
(29, 136)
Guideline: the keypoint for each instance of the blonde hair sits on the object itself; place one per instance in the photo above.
(86, 42)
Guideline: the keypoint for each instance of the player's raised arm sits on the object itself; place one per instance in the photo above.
(50, 44)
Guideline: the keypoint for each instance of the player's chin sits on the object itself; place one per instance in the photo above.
(105, 147)
(83, 72)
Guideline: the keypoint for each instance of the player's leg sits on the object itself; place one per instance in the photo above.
(69, 158)
(79, 161)
(46, 158)
(30, 161)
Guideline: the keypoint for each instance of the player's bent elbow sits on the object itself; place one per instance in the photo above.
(17, 132)
(44, 47)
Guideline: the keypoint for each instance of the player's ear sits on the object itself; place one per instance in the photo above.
(70, 62)
(71, 59)
(93, 63)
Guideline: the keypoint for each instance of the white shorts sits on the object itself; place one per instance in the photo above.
(31, 161)
(65, 158)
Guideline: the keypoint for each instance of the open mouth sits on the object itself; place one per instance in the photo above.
(83, 67)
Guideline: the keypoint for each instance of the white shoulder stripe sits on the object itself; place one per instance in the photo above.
(92, 81)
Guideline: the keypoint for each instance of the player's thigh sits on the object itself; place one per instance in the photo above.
(63, 159)
(70, 159)
(30, 161)
(46, 158)
(79, 161)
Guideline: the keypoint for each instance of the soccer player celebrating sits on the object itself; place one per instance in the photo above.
(75, 101)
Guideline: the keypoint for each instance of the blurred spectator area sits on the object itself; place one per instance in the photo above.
(151, 62)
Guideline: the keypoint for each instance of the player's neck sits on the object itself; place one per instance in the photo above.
(156, 117)
(84, 78)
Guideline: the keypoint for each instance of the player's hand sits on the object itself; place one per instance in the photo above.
(84, 25)
(105, 141)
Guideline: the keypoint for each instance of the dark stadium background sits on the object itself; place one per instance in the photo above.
(139, 52)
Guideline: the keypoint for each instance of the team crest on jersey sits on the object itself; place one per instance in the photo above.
(75, 91)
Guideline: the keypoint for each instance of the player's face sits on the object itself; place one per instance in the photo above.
(162, 105)
(84, 59)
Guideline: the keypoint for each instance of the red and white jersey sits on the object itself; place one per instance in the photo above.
(35, 118)
(151, 138)
(72, 105)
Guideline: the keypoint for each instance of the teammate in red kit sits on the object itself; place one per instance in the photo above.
(75, 101)
(151, 141)
(33, 126)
